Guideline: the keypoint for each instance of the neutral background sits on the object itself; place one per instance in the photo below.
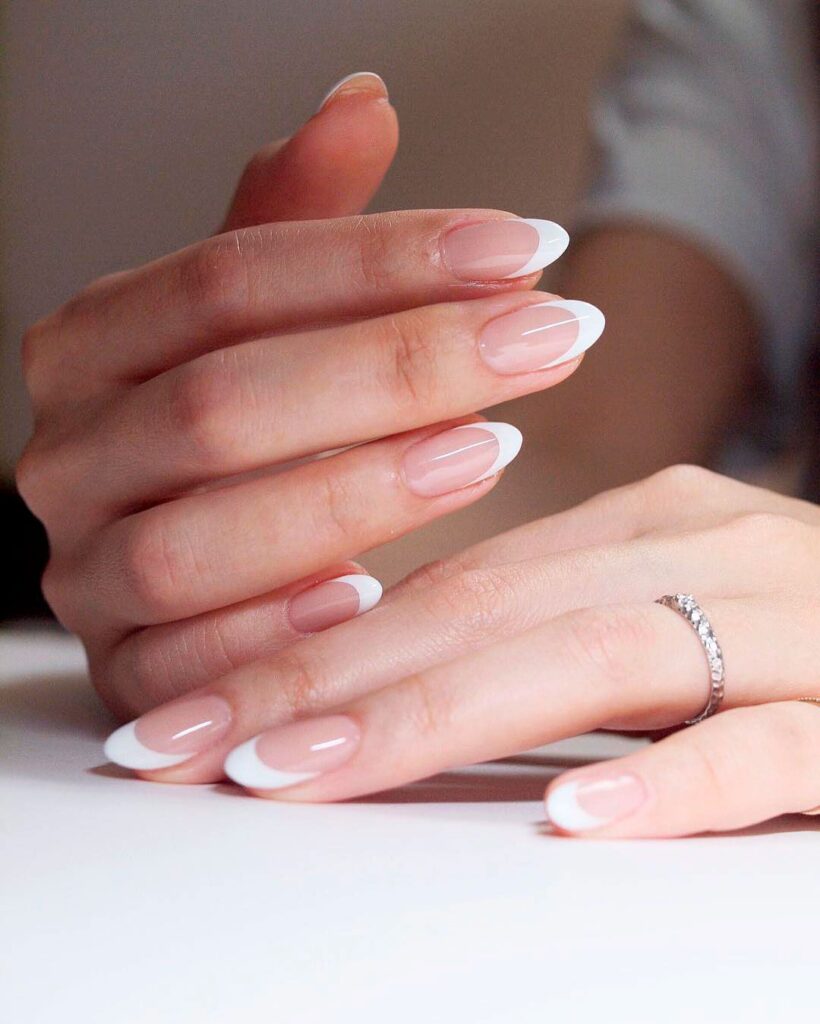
(126, 124)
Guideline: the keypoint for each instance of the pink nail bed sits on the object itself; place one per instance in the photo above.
(170, 734)
(333, 601)
(498, 249)
(458, 457)
(540, 336)
(294, 753)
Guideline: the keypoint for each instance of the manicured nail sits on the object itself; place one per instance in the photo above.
(459, 457)
(333, 601)
(293, 753)
(577, 806)
(498, 249)
(169, 734)
(359, 81)
(538, 337)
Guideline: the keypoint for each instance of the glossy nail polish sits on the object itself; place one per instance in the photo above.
(579, 805)
(358, 81)
(333, 601)
(170, 734)
(540, 336)
(499, 249)
(293, 753)
(459, 457)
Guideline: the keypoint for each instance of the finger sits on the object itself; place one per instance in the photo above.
(574, 674)
(332, 167)
(731, 771)
(581, 671)
(675, 498)
(154, 665)
(473, 610)
(271, 401)
(131, 326)
(210, 550)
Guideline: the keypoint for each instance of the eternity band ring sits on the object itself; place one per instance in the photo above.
(688, 608)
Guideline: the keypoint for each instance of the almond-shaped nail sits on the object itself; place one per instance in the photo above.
(358, 81)
(293, 753)
(579, 806)
(500, 249)
(540, 336)
(459, 457)
(333, 601)
(170, 734)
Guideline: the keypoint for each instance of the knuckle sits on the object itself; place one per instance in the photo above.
(476, 603)
(56, 586)
(215, 280)
(340, 511)
(201, 409)
(37, 355)
(708, 765)
(429, 710)
(412, 355)
(33, 478)
(154, 568)
(374, 255)
(301, 684)
(430, 575)
(768, 531)
(606, 642)
(681, 482)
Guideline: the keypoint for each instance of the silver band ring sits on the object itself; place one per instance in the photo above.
(687, 607)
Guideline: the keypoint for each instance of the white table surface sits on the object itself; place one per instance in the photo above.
(126, 902)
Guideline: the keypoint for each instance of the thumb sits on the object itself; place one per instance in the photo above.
(332, 167)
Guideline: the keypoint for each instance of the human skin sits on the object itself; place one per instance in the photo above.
(540, 634)
(180, 406)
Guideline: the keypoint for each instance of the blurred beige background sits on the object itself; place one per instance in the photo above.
(126, 124)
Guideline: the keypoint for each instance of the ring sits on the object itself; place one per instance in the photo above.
(811, 700)
(687, 607)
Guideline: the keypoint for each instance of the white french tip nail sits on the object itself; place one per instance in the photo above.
(552, 243)
(349, 78)
(591, 323)
(369, 590)
(244, 766)
(509, 440)
(564, 810)
(123, 748)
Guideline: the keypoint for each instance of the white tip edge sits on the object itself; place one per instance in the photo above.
(244, 767)
(591, 324)
(349, 78)
(123, 748)
(552, 243)
(564, 810)
(368, 589)
(509, 440)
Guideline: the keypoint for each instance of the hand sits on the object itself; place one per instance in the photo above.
(168, 400)
(543, 633)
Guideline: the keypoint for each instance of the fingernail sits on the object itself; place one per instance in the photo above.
(333, 601)
(170, 734)
(498, 249)
(577, 806)
(359, 81)
(293, 753)
(538, 337)
(459, 457)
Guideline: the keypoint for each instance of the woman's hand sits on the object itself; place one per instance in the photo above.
(543, 633)
(168, 400)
